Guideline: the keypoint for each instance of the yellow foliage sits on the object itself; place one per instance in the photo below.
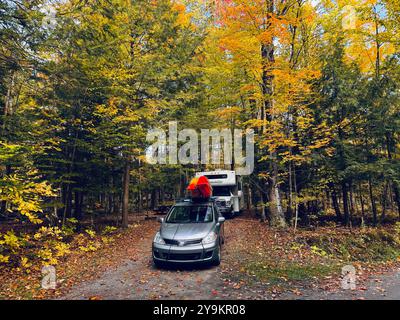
(90, 247)
(91, 233)
(25, 263)
(47, 256)
(4, 259)
(25, 195)
(183, 19)
(52, 232)
(11, 241)
(107, 240)
(62, 249)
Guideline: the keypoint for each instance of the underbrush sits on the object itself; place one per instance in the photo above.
(287, 271)
(87, 254)
(321, 252)
(48, 245)
(361, 245)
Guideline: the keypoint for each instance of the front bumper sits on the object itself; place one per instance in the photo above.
(225, 209)
(184, 254)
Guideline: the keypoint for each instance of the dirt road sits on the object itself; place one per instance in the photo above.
(137, 278)
(385, 286)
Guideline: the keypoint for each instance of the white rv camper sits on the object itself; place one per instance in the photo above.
(227, 188)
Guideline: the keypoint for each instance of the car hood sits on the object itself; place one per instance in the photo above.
(185, 231)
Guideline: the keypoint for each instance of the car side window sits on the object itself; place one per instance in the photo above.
(217, 212)
(209, 214)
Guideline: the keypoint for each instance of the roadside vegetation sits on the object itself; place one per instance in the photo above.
(283, 260)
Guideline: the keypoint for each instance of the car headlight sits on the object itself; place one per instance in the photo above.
(210, 238)
(158, 239)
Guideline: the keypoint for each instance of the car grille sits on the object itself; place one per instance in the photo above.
(185, 242)
(221, 203)
(185, 256)
(161, 255)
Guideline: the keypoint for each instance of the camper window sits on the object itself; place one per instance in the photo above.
(219, 191)
(216, 176)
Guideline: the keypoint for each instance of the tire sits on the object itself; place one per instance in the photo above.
(229, 215)
(158, 264)
(217, 257)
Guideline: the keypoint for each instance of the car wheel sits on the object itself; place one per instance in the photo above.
(217, 257)
(229, 215)
(158, 264)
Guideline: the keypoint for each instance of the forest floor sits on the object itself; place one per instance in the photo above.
(286, 272)
(257, 263)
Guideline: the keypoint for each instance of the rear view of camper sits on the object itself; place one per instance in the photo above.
(227, 189)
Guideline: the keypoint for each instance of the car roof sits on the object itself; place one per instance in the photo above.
(192, 202)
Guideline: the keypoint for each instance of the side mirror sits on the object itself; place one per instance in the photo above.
(160, 219)
(221, 219)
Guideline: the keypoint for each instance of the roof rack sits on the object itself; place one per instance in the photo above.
(196, 200)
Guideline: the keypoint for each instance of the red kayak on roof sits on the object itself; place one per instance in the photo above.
(200, 187)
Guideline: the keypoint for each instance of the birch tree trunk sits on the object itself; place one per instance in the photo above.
(268, 59)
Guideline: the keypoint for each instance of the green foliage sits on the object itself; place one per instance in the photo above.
(287, 271)
(370, 245)
(108, 230)
(70, 226)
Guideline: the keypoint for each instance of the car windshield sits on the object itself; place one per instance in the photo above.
(190, 214)
(221, 191)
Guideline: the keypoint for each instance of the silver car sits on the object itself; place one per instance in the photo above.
(191, 232)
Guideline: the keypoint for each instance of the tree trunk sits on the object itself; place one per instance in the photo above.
(268, 59)
(389, 148)
(248, 197)
(352, 202)
(8, 101)
(78, 204)
(116, 207)
(397, 196)
(296, 204)
(373, 205)
(3, 207)
(110, 203)
(276, 211)
(140, 202)
(3, 203)
(183, 183)
(290, 194)
(125, 195)
(263, 208)
(384, 200)
(345, 203)
(335, 202)
(153, 203)
(275, 205)
(67, 203)
(362, 205)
